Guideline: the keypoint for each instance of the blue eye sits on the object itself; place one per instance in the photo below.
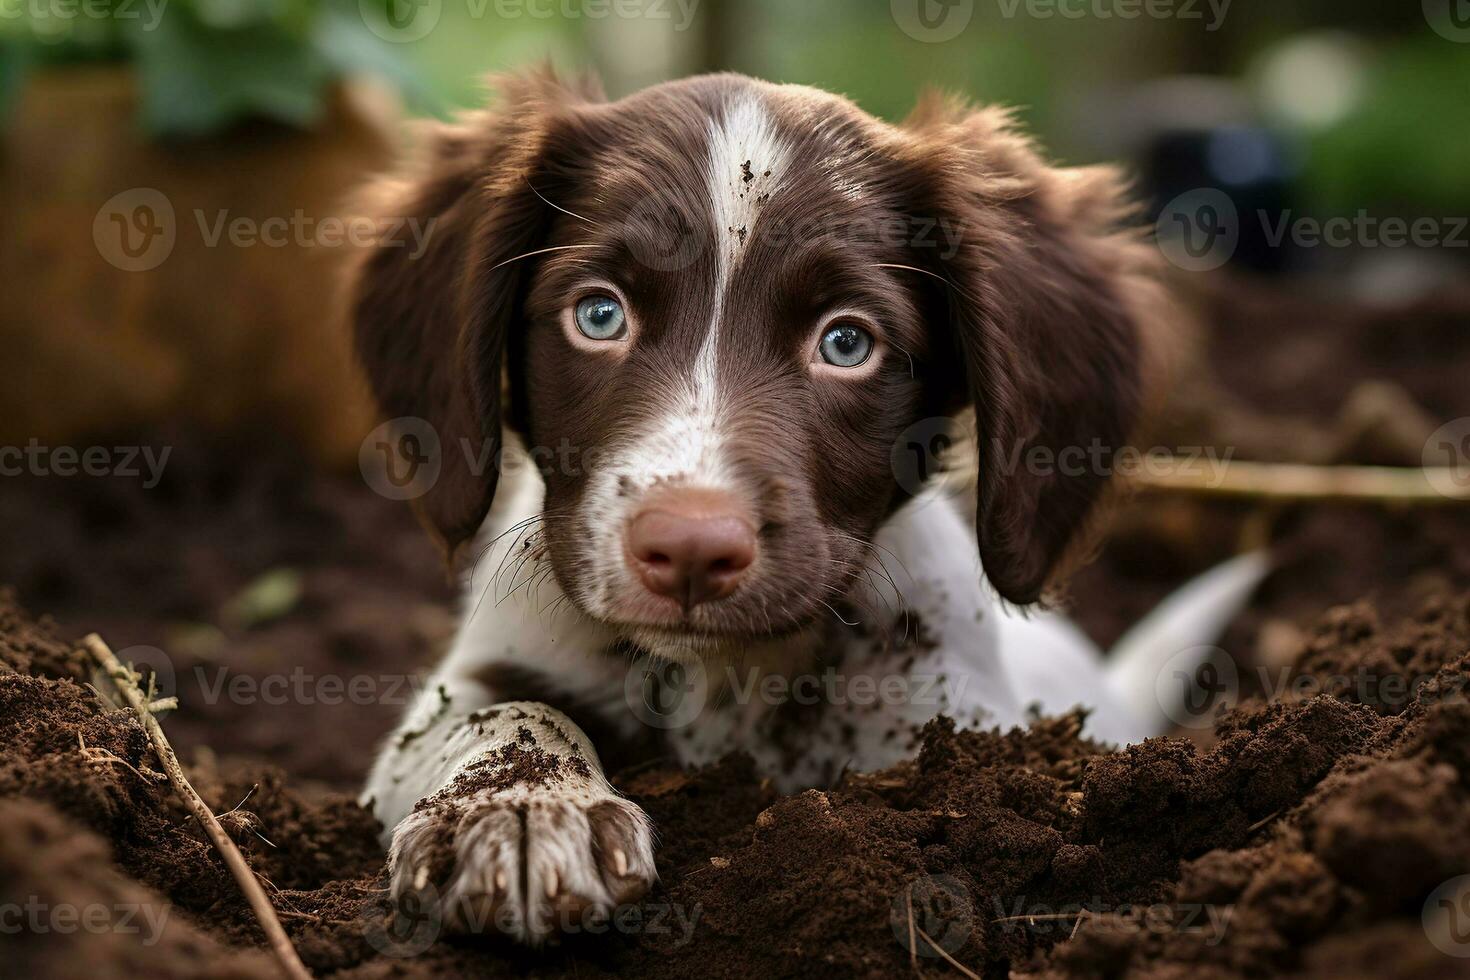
(601, 318)
(846, 345)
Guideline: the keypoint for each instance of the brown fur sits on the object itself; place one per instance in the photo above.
(1034, 315)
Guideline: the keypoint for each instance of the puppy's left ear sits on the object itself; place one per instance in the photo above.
(1049, 311)
(434, 323)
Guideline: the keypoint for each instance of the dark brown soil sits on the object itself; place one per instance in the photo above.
(1302, 836)
(1312, 827)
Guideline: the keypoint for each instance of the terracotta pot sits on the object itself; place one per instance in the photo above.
(129, 296)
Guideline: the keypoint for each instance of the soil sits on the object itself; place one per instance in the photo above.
(1309, 833)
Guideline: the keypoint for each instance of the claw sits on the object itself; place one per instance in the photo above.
(620, 862)
(552, 884)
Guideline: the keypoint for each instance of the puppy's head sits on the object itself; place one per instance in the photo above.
(719, 303)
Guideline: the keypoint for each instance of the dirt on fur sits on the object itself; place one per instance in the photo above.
(1308, 839)
(1318, 829)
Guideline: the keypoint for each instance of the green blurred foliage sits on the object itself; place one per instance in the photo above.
(209, 62)
(204, 64)
(1407, 145)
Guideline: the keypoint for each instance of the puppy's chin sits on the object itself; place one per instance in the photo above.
(693, 646)
(686, 646)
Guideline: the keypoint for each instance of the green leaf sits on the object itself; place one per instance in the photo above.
(197, 79)
(269, 597)
(344, 41)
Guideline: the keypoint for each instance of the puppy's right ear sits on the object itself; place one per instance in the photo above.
(438, 292)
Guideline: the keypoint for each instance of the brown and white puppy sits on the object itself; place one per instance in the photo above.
(716, 308)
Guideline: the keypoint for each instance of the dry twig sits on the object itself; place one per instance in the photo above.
(948, 958)
(265, 913)
(1299, 482)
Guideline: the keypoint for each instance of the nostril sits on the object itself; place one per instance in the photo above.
(687, 550)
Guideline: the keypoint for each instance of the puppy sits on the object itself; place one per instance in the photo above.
(678, 353)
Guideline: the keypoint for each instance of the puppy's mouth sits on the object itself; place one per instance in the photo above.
(687, 630)
(694, 644)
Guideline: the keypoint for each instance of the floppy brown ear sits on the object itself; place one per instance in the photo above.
(1049, 308)
(436, 296)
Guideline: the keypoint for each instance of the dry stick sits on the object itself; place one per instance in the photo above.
(1292, 481)
(127, 686)
(913, 942)
(949, 959)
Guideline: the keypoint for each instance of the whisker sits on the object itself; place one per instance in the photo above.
(517, 527)
(837, 614)
(549, 204)
(912, 268)
(539, 251)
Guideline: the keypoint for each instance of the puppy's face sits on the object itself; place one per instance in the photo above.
(720, 303)
(725, 349)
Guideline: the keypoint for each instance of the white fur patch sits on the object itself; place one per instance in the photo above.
(746, 161)
(524, 847)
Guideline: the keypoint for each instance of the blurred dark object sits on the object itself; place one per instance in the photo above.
(1248, 164)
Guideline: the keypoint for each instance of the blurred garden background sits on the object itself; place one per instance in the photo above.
(137, 131)
(174, 187)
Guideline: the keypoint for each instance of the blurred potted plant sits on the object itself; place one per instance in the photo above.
(167, 170)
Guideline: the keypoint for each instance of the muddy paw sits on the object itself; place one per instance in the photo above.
(529, 863)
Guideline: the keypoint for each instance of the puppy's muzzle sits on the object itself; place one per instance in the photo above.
(691, 545)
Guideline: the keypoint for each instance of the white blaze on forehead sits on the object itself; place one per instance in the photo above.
(685, 442)
(747, 158)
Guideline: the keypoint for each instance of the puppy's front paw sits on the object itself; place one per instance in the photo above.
(530, 861)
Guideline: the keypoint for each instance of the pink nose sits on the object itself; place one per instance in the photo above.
(690, 546)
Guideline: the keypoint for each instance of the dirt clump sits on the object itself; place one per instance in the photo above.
(1307, 839)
